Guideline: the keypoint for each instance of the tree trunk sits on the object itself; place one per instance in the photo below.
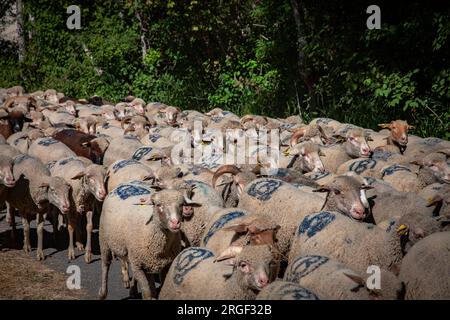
(20, 30)
(142, 32)
(301, 43)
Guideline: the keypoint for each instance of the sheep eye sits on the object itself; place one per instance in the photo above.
(337, 192)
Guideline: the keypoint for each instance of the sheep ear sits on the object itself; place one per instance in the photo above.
(229, 254)
(445, 151)
(79, 175)
(357, 279)
(238, 228)
(384, 125)
(191, 203)
(411, 127)
(322, 189)
(434, 200)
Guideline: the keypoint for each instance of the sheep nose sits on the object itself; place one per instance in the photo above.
(365, 151)
(65, 207)
(101, 194)
(174, 223)
(262, 281)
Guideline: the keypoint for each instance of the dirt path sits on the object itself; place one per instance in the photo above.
(23, 277)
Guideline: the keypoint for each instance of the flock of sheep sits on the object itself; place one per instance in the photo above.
(348, 213)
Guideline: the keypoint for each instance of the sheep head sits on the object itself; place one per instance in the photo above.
(94, 179)
(399, 132)
(309, 155)
(6, 172)
(257, 231)
(168, 205)
(347, 195)
(255, 267)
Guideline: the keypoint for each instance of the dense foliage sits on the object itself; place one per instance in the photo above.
(246, 56)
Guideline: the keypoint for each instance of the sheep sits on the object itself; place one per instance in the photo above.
(123, 171)
(195, 219)
(7, 180)
(386, 202)
(356, 244)
(87, 185)
(288, 205)
(120, 148)
(49, 149)
(312, 133)
(252, 270)
(398, 137)
(229, 230)
(83, 145)
(9, 151)
(232, 192)
(331, 279)
(306, 158)
(6, 128)
(442, 201)
(355, 146)
(33, 191)
(285, 290)
(151, 239)
(425, 269)
(335, 125)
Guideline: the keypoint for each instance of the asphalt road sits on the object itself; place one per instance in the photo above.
(56, 258)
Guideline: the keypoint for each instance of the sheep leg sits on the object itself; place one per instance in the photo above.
(78, 235)
(89, 226)
(141, 278)
(125, 275)
(133, 288)
(12, 221)
(40, 235)
(55, 222)
(70, 250)
(26, 234)
(151, 282)
(106, 257)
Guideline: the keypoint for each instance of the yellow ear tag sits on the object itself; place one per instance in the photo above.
(402, 229)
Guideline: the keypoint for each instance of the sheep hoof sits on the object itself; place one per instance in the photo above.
(40, 255)
(102, 294)
(126, 284)
(71, 255)
(80, 246)
(26, 249)
(88, 257)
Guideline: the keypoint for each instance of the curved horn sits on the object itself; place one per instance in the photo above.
(296, 135)
(126, 119)
(8, 103)
(128, 129)
(246, 118)
(227, 168)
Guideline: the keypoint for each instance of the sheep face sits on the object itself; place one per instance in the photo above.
(399, 131)
(437, 163)
(168, 206)
(95, 177)
(309, 156)
(58, 194)
(6, 172)
(255, 267)
(346, 195)
(356, 144)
